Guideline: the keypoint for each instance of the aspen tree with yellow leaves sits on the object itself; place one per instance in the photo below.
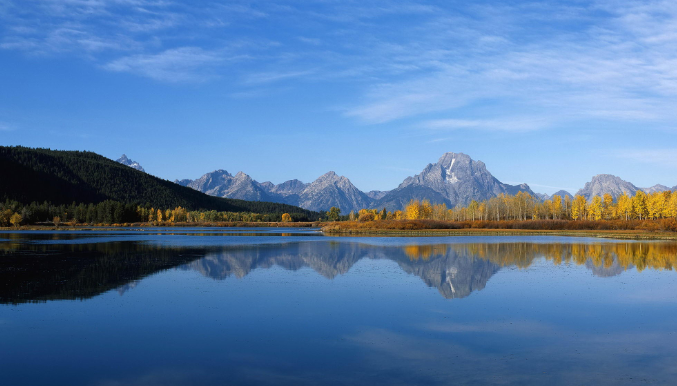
(556, 207)
(667, 196)
(654, 205)
(413, 210)
(608, 207)
(624, 205)
(639, 205)
(595, 208)
(578, 207)
(16, 219)
(672, 206)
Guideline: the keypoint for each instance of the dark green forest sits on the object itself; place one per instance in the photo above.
(48, 178)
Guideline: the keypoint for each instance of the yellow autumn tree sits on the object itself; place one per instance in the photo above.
(5, 216)
(472, 209)
(654, 204)
(608, 208)
(413, 210)
(624, 206)
(426, 211)
(556, 206)
(16, 219)
(667, 197)
(672, 206)
(595, 208)
(286, 217)
(639, 205)
(578, 207)
(482, 210)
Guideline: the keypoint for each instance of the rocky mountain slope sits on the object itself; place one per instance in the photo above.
(455, 179)
(328, 190)
(562, 193)
(333, 190)
(220, 183)
(607, 183)
(656, 188)
(132, 164)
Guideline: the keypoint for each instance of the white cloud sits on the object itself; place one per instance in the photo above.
(505, 124)
(274, 76)
(619, 68)
(660, 157)
(174, 65)
(5, 127)
(602, 59)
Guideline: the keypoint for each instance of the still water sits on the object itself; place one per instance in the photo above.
(293, 307)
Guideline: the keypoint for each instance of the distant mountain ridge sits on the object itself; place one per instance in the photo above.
(220, 183)
(128, 162)
(455, 179)
(328, 190)
(607, 183)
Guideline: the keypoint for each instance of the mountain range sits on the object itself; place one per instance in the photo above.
(455, 179)
(607, 183)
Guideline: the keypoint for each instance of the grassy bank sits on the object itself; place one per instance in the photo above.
(632, 230)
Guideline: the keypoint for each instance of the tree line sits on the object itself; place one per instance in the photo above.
(523, 206)
(109, 212)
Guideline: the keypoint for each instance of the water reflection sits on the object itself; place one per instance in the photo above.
(36, 272)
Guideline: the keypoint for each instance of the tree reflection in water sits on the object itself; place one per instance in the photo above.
(35, 272)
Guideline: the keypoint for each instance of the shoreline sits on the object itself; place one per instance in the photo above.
(333, 229)
(620, 235)
(145, 226)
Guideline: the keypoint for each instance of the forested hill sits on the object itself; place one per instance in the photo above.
(62, 177)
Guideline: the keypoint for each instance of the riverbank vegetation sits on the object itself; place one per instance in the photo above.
(15, 214)
(524, 207)
(641, 212)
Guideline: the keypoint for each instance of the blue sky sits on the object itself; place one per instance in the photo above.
(549, 93)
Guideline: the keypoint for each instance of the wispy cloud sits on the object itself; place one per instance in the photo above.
(597, 60)
(505, 124)
(614, 68)
(268, 77)
(6, 127)
(174, 65)
(660, 157)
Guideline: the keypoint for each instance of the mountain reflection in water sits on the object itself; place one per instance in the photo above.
(42, 272)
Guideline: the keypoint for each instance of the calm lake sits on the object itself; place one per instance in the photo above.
(294, 307)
